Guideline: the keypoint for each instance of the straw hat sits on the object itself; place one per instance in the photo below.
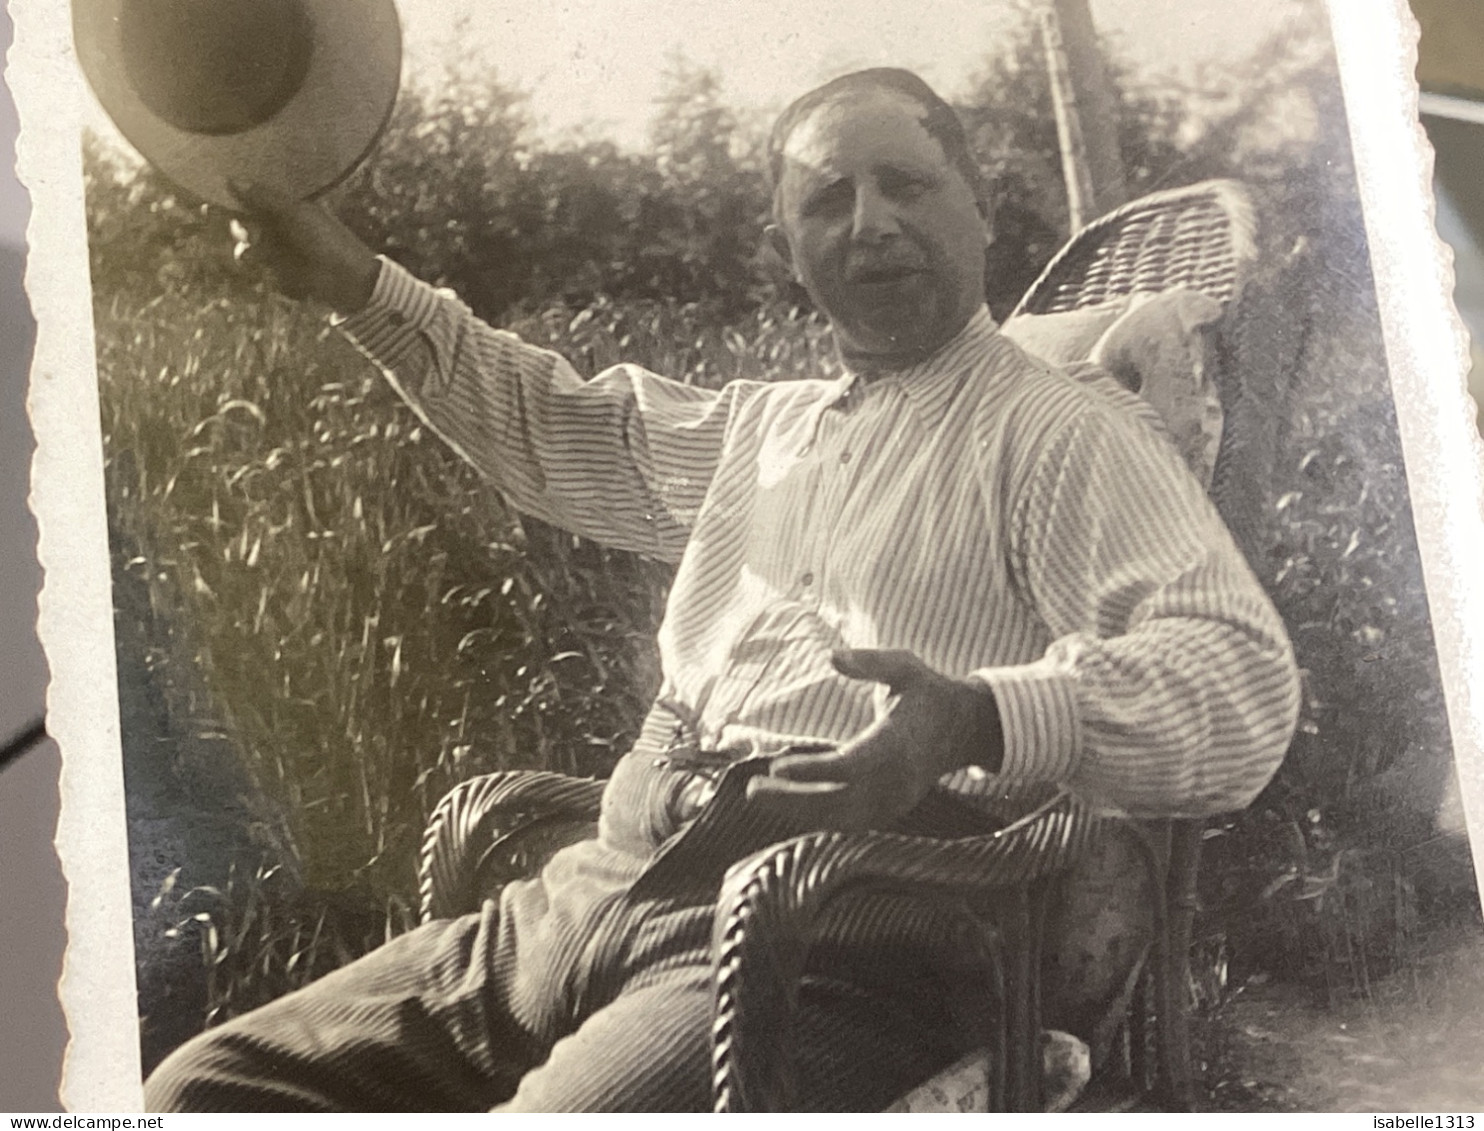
(288, 93)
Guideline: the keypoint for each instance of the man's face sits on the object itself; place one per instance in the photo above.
(881, 229)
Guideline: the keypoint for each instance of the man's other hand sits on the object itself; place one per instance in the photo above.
(311, 253)
(933, 726)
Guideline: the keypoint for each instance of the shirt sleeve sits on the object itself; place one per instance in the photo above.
(624, 459)
(1170, 687)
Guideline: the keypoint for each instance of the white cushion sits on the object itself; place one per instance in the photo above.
(1065, 337)
(1066, 1067)
(1159, 349)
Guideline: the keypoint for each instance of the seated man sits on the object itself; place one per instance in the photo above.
(952, 561)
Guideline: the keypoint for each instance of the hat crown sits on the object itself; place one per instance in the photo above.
(215, 66)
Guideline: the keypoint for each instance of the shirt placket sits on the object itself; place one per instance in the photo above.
(827, 458)
(839, 450)
(730, 700)
(830, 449)
(811, 560)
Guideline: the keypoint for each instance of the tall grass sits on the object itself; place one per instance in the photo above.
(368, 619)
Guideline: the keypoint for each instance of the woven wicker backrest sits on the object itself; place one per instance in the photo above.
(1200, 236)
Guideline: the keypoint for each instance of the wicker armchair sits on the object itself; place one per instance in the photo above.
(975, 904)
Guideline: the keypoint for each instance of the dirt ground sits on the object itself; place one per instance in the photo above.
(1416, 1045)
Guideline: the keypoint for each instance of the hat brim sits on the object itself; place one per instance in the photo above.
(313, 142)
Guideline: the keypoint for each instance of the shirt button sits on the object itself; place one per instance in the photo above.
(396, 317)
(808, 579)
(844, 457)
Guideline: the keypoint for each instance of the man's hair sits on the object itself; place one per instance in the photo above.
(938, 118)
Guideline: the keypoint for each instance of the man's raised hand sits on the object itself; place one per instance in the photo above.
(934, 725)
(311, 253)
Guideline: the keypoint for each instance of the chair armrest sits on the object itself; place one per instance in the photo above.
(854, 890)
(497, 828)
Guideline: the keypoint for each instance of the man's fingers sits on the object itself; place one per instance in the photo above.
(257, 197)
(896, 668)
(811, 766)
(256, 247)
(243, 238)
(806, 805)
(767, 783)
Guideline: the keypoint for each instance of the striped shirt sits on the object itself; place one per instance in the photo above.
(1000, 520)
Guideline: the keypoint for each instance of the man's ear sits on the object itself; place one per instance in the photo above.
(778, 242)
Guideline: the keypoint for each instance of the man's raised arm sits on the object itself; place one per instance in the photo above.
(625, 458)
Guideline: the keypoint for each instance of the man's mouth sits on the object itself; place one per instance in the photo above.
(881, 273)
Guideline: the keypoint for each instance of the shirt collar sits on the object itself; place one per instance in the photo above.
(931, 384)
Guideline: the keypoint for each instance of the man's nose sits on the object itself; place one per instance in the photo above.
(875, 217)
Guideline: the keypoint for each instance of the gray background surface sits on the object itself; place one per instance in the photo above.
(32, 893)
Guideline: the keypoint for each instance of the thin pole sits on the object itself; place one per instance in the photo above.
(1081, 200)
(1086, 113)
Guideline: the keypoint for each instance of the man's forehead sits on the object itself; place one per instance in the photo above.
(859, 120)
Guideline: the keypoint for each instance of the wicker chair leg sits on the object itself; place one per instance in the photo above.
(1177, 1075)
(1140, 1063)
(1021, 913)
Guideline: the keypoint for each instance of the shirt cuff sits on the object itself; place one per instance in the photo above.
(1038, 718)
(402, 311)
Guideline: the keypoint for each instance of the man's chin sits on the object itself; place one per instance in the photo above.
(885, 353)
(883, 343)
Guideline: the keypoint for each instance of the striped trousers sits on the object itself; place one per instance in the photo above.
(585, 989)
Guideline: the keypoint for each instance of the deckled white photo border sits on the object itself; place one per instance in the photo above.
(1426, 348)
(101, 1070)
(1427, 352)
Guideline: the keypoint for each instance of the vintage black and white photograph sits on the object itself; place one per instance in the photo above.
(806, 557)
